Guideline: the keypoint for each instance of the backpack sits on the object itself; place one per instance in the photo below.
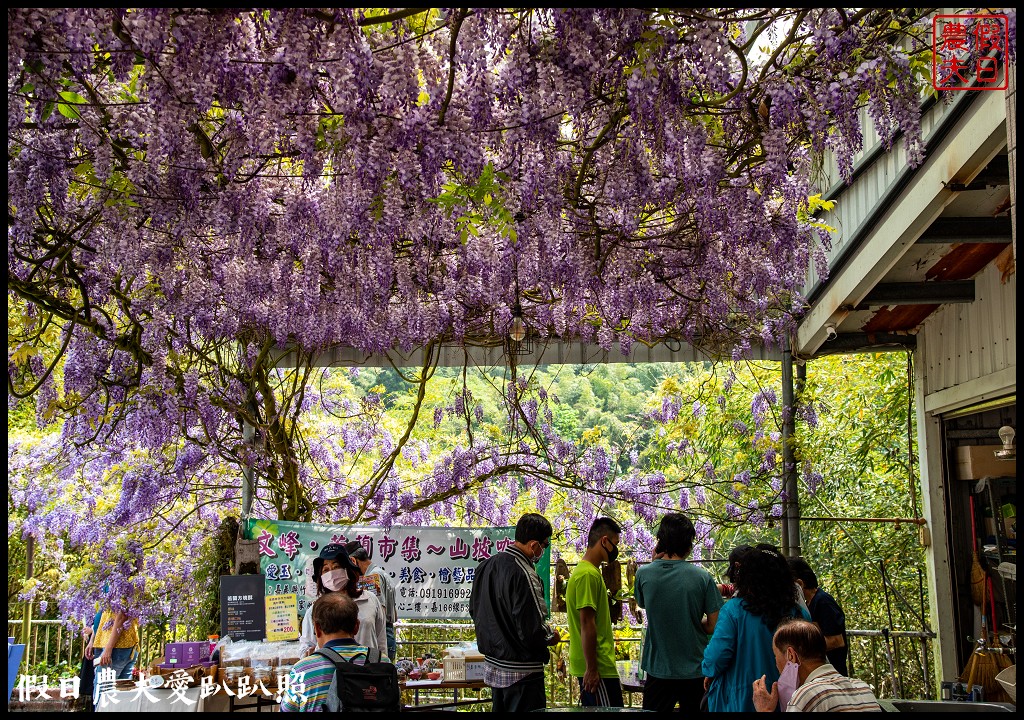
(369, 687)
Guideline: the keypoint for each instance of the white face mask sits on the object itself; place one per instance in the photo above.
(788, 681)
(335, 579)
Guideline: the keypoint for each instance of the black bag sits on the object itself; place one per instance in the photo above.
(369, 687)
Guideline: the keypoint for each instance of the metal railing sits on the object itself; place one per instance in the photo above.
(50, 642)
(869, 658)
(875, 655)
(59, 650)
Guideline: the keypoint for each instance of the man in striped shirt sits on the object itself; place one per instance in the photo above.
(807, 682)
(335, 622)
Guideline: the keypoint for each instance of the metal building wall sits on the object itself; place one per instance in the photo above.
(967, 343)
(855, 202)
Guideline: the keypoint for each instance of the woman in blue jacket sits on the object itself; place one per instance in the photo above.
(740, 650)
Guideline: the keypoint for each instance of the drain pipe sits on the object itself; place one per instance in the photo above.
(791, 505)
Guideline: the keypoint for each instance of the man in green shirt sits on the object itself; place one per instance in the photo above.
(591, 643)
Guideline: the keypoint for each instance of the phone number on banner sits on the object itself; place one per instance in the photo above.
(436, 593)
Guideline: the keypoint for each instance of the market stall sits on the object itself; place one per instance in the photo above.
(249, 663)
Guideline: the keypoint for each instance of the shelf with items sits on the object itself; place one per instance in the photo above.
(997, 503)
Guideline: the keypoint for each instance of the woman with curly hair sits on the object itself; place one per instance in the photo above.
(740, 650)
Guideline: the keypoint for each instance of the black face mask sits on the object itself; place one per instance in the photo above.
(613, 553)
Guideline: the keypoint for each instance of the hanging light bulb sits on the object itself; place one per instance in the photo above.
(1009, 450)
(517, 331)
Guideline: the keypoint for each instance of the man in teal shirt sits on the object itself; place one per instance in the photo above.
(682, 602)
(591, 643)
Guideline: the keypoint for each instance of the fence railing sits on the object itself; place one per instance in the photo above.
(57, 651)
(50, 642)
(870, 651)
(53, 646)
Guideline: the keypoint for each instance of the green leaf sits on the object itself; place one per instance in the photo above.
(69, 111)
(73, 97)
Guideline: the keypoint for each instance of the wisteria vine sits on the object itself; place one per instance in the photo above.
(193, 192)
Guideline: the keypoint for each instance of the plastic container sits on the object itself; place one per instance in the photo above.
(282, 672)
(1007, 677)
(454, 669)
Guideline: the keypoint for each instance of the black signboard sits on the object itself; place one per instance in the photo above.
(243, 612)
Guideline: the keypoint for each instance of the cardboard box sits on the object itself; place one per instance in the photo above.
(475, 665)
(175, 652)
(196, 652)
(973, 462)
(186, 654)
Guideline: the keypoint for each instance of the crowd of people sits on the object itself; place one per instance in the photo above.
(769, 639)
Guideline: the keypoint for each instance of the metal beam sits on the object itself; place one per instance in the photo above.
(791, 505)
(919, 293)
(865, 342)
(995, 174)
(945, 230)
(546, 352)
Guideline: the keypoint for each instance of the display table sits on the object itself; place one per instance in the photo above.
(416, 686)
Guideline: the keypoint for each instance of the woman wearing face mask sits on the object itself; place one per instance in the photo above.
(334, 571)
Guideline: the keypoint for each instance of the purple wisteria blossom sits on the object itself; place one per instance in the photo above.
(210, 204)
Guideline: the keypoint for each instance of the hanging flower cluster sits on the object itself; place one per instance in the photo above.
(192, 191)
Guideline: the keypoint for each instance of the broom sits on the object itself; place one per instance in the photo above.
(977, 571)
(981, 668)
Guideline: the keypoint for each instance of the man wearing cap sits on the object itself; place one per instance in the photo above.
(379, 582)
(334, 571)
(510, 615)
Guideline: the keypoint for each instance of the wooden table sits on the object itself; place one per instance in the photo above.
(455, 687)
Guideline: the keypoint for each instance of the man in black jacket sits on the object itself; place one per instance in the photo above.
(510, 615)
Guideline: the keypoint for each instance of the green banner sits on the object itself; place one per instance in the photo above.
(432, 569)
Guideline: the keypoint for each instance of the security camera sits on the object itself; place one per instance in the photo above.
(830, 332)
